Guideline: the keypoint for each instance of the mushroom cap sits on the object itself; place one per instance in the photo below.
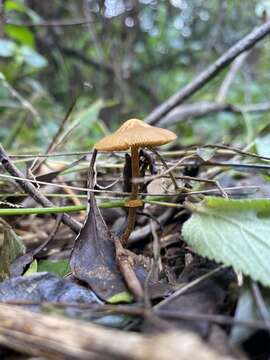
(135, 132)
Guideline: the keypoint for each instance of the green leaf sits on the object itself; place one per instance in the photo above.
(33, 268)
(14, 5)
(21, 34)
(11, 5)
(123, 297)
(11, 246)
(32, 58)
(233, 232)
(58, 267)
(85, 118)
(7, 48)
(83, 123)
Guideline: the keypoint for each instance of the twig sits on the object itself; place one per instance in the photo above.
(127, 270)
(144, 231)
(29, 188)
(217, 319)
(51, 23)
(230, 77)
(24, 102)
(260, 304)
(121, 193)
(80, 55)
(168, 171)
(160, 157)
(157, 264)
(210, 72)
(55, 337)
(189, 286)
(236, 150)
(140, 311)
(53, 143)
(200, 109)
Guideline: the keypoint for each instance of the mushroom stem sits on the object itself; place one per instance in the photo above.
(135, 171)
(134, 194)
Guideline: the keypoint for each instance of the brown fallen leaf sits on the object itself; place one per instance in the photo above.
(93, 256)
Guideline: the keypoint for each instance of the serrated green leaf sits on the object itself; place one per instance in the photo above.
(11, 246)
(58, 267)
(233, 232)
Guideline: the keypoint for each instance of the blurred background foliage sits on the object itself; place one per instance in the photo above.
(120, 59)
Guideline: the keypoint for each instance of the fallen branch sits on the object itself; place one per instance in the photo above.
(55, 337)
(210, 72)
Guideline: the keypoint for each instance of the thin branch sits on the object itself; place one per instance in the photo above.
(210, 72)
(29, 188)
(200, 109)
(230, 77)
(259, 300)
(54, 142)
(121, 193)
(57, 337)
(140, 311)
(188, 286)
(51, 23)
(236, 150)
(98, 64)
(24, 102)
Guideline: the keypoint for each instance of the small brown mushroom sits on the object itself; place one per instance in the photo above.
(134, 134)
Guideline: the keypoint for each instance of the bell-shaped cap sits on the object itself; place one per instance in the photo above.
(135, 132)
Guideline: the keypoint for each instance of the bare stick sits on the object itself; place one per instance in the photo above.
(188, 286)
(210, 72)
(127, 270)
(230, 77)
(55, 337)
(139, 311)
(160, 157)
(51, 23)
(200, 109)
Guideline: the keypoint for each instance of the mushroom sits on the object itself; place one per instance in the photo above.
(134, 134)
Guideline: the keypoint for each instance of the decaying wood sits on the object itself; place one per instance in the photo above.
(59, 338)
